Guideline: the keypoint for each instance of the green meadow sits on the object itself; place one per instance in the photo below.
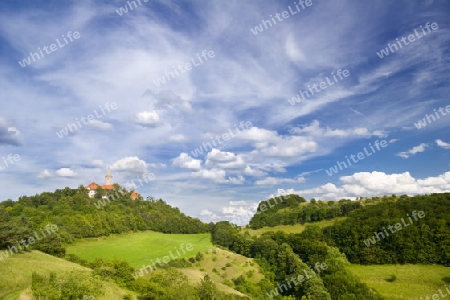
(139, 248)
(412, 281)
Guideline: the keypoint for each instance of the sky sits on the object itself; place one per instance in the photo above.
(226, 103)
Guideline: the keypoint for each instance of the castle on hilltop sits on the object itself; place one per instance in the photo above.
(92, 187)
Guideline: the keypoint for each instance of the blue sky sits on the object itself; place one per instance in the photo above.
(156, 128)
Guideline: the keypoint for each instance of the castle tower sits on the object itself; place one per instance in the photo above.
(108, 177)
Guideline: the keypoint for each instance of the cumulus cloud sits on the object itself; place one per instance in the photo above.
(186, 162)
(254, 172)
(65, 172)
(417, 149)
(375, 184)
(236, 212)
(45, 174)
(218, 176)
(442, 144)
(224, 160)
(131, 165)
(147, 118)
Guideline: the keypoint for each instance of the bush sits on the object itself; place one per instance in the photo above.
(69, 285)
(228, 265)
(391, 279)
(446, 279)
(199, 256)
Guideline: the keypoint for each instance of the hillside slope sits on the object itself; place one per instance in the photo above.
(16, 272)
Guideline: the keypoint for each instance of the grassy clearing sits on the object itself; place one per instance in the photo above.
(215, 265)
(139, 248)
(15, 275)
(413, 281)
(297, 228)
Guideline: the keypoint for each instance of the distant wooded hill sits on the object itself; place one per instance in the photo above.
(365, 236)
(77, 217)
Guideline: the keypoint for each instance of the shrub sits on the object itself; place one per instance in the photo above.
(199, 256)
(446, 279)
(228, 265)
(391, 279)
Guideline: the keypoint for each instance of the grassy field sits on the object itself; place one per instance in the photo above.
(297, 228)
(413, 281)
(140, 248)
(16, 270)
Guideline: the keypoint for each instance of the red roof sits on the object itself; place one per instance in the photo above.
(108, 186)
(135, 195)
(92, 186)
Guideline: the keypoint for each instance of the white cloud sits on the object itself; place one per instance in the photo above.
(254, 172)
(13, 131)
(375, 184)
(147, 118)
(417, 149)
(177, 138)
(224, 160)
(45, 174)
(274, 181)
(237, 212)
(100, 125)
(186, 162)
(442, 144)
(215, 175)
(131, 165)
(218, 176)
(65, 172)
